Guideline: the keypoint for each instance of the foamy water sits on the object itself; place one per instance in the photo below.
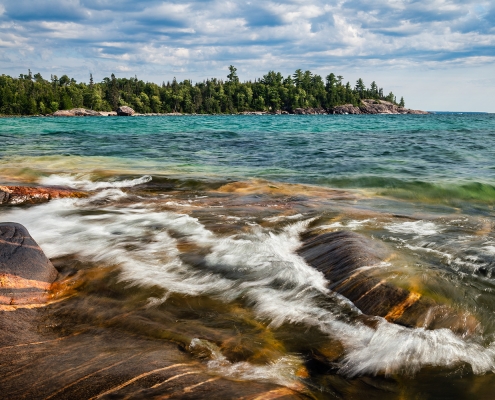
(258, 266)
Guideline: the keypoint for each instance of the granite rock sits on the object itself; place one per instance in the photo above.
(125, 111)
(26, 274)
(31, 195)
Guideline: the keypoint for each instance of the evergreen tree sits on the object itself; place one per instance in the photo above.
(31, 94)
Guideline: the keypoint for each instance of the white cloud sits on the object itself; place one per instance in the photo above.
(201, 38)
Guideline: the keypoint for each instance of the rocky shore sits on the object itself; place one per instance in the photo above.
(367, 106)
(15, 195)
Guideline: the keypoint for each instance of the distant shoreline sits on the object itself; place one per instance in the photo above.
(366, 107)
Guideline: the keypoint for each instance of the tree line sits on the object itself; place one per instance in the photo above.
(32, 94)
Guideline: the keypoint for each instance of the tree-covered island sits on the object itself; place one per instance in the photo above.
(33, 95)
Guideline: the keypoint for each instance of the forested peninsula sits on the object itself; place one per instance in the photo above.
(300, 93)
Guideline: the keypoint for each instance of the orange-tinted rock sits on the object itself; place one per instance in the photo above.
(32, 195)
(25, 272)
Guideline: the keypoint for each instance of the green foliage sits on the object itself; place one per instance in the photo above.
(30, 95)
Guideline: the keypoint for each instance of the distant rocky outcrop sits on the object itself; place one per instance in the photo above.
(125, 111)
(310, 111)
(370, 106)
(345, 109)
(30, 195)
(76, 112)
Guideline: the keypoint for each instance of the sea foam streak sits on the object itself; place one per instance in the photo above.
(86, 184)
(282, 371)
(259, 266)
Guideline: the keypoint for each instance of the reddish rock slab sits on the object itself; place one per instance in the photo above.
(26, 274)
(33, 195)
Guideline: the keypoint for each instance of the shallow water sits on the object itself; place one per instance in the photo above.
(193, 223)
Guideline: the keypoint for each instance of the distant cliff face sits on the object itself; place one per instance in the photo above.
(369, 106)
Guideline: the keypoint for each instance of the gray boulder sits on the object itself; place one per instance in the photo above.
(125, 111)
(26, 274)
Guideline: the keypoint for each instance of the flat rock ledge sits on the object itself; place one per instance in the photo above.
(76, 112)
(26, 274)
(82, 112)
(16, 195)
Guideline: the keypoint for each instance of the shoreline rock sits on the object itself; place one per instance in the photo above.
(16, 195)
(340, 255)
(125, 111)
(369, 106)
(26, 274)
(76, 112)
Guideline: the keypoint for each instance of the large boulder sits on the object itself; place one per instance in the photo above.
(32, 195)
(125, 111)
(26, 274)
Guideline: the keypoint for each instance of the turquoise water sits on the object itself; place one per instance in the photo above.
(344, 151)
(206, 213)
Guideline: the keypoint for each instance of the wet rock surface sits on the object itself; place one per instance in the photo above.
(87, 346)
(25, 272)
(15, 195)
(346, 259)
(109, 365)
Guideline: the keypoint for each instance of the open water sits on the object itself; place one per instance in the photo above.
(199, 218)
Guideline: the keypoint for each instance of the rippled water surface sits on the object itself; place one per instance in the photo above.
(194, 225)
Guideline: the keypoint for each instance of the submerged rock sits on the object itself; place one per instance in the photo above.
(26, 274)
(33, 195)
(343, 257)
(125, 111)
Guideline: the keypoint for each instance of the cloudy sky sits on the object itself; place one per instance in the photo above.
(438, 54)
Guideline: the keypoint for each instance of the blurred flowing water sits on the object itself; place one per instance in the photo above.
(193, 224)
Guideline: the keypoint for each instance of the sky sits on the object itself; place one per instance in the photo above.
(437, 54)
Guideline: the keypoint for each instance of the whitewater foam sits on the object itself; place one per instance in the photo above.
(79, 182)
(258, 265)
(282, 371)
(417, 228)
